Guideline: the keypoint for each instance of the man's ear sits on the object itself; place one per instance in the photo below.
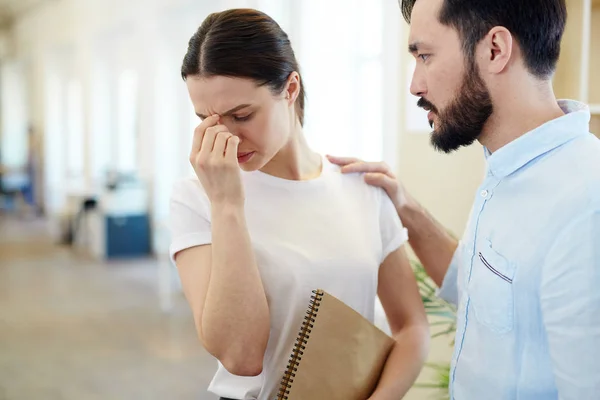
(497, 49)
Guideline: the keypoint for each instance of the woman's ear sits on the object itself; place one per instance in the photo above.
(292, 89)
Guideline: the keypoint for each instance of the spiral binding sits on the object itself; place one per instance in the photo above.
(300, 345)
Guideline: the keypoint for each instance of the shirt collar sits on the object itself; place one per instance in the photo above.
(542, 139)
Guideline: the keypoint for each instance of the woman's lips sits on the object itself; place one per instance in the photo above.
(244, 157)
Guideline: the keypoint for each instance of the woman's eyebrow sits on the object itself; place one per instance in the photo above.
(227, 113)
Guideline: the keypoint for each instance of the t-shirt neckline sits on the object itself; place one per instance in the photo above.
(326, 169)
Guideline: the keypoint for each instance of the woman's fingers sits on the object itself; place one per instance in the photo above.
(208, 142)
(199, 133)
(232, 149)
(220, 144)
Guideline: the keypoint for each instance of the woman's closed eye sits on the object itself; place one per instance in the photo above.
(242, 118)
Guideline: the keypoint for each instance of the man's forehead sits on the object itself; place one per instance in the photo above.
(422, 39)
(425, 12)
(425, 29)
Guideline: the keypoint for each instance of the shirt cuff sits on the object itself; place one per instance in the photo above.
(449, 289)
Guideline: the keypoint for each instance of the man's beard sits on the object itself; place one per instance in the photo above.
(461, 123)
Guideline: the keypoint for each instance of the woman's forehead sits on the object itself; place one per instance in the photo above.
(221, 93)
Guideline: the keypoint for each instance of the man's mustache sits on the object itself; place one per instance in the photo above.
(426, 105)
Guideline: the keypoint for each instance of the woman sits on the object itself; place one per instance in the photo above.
(268, 220)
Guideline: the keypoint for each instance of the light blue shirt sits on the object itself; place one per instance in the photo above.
(526, 275)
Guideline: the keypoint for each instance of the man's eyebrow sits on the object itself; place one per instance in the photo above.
(413, 48)
(227, 113)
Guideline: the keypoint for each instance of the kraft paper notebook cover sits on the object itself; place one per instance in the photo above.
(338, 355)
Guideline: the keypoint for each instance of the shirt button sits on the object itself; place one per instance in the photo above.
(484, 193)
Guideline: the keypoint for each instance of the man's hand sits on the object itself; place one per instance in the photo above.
(430, 241)
(376, 174)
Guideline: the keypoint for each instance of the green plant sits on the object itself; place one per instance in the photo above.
(442, 381)
(443, 324)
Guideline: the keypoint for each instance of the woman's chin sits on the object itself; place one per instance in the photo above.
(250, 166)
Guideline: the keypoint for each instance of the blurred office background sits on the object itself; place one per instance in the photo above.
(95, 126)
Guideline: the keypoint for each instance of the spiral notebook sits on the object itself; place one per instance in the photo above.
(338, 354)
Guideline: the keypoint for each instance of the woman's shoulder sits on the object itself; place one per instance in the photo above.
(355, 182)
(354, 178)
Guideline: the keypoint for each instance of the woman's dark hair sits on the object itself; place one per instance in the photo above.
(243, 43)
(537, 26)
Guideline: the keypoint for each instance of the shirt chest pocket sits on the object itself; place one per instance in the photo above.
(491, 289)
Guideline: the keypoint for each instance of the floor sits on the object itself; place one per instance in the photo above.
(75, 329)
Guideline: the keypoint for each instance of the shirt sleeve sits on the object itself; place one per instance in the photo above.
(570, 302)
(393, 233)
(189, 217)
(449, 289)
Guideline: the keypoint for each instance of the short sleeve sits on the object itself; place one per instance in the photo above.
(393, 233)
(189, 216)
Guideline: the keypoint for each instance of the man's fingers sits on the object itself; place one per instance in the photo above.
(366, 167)
(199, 133)
(342, 160)
(380, 180)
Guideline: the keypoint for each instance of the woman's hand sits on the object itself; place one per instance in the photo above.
(214, 159)
(221, 279)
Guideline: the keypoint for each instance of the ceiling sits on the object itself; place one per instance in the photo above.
(11, 10)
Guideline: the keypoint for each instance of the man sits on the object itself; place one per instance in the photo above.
(526, 274)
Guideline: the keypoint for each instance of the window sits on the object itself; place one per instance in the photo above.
(175, 119)
(74, 122)
(127, 114)
(349, 67)
(101, 121)
(13, 143)
(54, 150)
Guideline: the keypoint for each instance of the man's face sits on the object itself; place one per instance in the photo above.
(449, 85)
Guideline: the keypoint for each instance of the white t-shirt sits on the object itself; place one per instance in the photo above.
(332, 233)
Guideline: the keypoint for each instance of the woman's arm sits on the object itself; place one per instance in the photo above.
(400, 298)
(221, 281)
(223, 286)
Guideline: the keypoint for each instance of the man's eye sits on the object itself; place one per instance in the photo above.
(424, 57)
(243, 118)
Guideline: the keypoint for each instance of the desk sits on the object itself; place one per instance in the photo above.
(119, 227)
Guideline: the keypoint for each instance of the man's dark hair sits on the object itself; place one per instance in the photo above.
(243, 43)
(537, 25)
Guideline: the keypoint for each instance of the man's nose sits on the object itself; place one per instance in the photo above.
(417, 85)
